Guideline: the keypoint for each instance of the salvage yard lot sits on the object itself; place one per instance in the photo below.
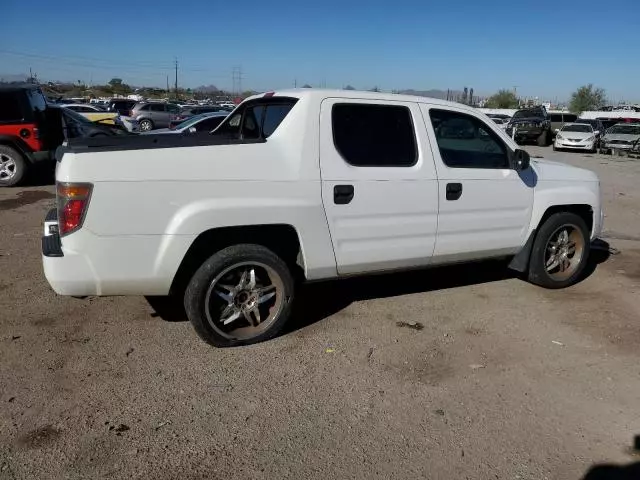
(457, 372)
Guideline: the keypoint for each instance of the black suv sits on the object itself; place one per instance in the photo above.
(531, 124)
(121, 105)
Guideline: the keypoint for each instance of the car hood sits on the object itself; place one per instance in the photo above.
(629, 137)
(576, 134)
(548, 170)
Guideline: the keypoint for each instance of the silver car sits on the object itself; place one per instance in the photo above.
(621, 136)
(152, 115)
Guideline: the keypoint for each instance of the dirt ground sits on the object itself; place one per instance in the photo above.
(504, 380)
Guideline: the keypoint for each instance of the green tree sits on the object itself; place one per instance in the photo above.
(349, 87)
(586, 98)
(503, 99)
(306, 85)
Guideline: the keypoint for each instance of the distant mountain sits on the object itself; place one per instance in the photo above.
(206, 89)
(10, 78)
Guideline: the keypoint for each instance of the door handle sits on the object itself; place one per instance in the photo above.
(454, 191)
(342, 194)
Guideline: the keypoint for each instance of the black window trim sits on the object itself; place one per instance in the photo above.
(492, 133)
(377, 104)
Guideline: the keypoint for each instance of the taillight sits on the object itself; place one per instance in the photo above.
(73, 201)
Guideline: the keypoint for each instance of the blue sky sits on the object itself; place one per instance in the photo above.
(545, 48)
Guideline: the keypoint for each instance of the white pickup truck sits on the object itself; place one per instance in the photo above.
(308, 185)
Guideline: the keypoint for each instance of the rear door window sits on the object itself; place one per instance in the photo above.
(372, 135)
(156, 107)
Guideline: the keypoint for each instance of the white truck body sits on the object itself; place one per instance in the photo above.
(149, 205)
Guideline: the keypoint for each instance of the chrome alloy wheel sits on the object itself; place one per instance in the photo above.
(244, 300)
(563, 252)
(7, 167)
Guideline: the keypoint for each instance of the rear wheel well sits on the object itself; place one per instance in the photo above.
(583, 211)
(281, 239)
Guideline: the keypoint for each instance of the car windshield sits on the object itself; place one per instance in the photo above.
(527, 113)
(577, 128)
(625, 129)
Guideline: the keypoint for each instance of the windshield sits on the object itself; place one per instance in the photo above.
(527, 113)
(625, 129)
(577, 128)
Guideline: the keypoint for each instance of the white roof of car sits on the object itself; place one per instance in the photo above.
(356, 94)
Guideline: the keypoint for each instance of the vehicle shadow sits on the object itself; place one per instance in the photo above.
(318, 300)
(613, 472)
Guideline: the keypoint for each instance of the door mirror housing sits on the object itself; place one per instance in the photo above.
(520, 160)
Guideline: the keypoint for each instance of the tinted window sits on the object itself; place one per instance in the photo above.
(172, 108)
(145, 108)
(38, 102)
(156, 107)
(257, 119)
(374, 135)
(273, 116)
(10, 108)
(465, 141)
(568, 117)
(556, 117)
(209, 124)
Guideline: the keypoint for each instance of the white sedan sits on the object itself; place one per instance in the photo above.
(576, 136)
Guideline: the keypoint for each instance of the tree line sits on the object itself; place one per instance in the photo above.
(585, 98)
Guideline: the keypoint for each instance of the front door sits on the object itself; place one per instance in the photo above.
(379, 185)
(485, 206)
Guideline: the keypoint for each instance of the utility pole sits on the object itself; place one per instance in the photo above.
(168, 91)
(295, 83)
(176, 65)
(236, 78)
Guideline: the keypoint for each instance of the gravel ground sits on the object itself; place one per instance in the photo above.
(504, 380)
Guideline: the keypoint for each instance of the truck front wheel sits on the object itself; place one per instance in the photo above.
(560, 251)
(239, 296)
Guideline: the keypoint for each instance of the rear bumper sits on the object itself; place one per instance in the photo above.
(83, 263)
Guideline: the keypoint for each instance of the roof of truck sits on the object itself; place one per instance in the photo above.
(356, 94)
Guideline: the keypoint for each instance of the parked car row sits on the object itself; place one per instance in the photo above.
(31, 129)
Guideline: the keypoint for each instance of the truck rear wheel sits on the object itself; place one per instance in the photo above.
(12, 166)
(560, 251)
(239, 296)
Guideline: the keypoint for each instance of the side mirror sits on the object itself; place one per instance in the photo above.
(192, 129)
(521, 160)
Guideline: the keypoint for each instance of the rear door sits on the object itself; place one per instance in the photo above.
(379, 185)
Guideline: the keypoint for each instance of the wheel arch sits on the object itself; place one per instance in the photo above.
(17, 144)
(283, 239)
(520, 261)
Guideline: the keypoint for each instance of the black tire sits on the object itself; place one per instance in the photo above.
(13, 166)
(214, 268)
(554, 148)
(543, 139)
(538, 273)
(145, 125)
